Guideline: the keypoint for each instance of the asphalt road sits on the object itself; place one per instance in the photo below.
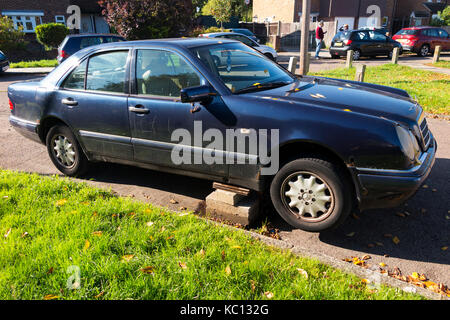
(422, 234)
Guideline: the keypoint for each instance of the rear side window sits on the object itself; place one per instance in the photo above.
(443, 33)
(360, 35)
(343, 35)
(89, 41)
(406, 32)
(106, 72)
(376, 36)
(76, 78)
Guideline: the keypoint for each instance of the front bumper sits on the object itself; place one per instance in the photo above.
(390, 188)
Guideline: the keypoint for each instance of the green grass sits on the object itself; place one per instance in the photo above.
(35, 64)
(441, 64)
(432, 89)
(48, 224)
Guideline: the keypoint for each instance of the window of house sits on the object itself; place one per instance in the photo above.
(27, 20)
(60, 19)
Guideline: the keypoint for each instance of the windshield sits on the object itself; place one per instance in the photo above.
(406, 32)
(240, 67)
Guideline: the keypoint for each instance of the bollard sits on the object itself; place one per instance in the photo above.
(349, 61)
(360, 71)
(395, 54)
(437, 54)
(292, 64)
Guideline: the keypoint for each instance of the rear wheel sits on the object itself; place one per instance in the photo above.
(424, 50)
(312, 194)
(356, 54)
(65, 152)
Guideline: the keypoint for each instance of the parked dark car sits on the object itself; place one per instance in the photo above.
(4, 62)
(363, 43)
(423, 40)
(246, 32)
(74, 42)
(339, 144)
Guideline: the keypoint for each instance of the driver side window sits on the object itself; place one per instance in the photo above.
(163, 73)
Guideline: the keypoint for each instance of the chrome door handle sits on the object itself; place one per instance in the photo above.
(69, 102)
(138, 109)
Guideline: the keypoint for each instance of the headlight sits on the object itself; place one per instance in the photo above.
(408, 142)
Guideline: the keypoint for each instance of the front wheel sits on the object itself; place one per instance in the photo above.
(356, 55)
(312, 194)
(424, 50)
(65, 152)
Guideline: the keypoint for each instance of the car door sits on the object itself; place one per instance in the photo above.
(435, 38)
(445, 40)
(379, 43)
(93, 101)
(156, 112)
(362, 42)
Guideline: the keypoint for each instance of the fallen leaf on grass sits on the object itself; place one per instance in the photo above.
(147, 270)
(303, 272)
(7, 233)
(173, 201)
(25, 234)
(228, 270)
(149, 224)
(182, 265)
(97, 233)
(396, 240)
(50, 271)
(382, 264)
(366, 281)
(61, 202)
(366, 257)
(87, 244)
(99, 295)
(444, 248)
(268, 294)
(127, 257)
(253, 285)
(50, 297)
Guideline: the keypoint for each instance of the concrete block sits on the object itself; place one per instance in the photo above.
(227, 197)
(246, 211)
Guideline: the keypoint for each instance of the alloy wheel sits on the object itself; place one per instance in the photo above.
(307, 196)
(64, 150)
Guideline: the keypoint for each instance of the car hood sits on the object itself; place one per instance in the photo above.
(350, 96)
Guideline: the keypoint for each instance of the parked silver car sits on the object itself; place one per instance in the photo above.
(265, 50)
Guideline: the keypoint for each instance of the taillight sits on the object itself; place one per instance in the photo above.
(64, 54)
(11, 105)
(348, 42)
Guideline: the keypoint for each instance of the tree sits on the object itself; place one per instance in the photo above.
(148, 19)
(10, 38)
(50, 35)
(221, 10)
(445, 16)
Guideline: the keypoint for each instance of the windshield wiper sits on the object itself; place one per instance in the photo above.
(263, 86)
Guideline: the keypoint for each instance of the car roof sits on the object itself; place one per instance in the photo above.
(169, 43)
(420, 28)
(223, 33)
(93, 35)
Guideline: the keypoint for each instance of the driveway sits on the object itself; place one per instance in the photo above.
(423, 230)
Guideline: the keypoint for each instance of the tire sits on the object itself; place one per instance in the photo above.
(291, 184)
(65, 151)
(424, 50)
(356, 55)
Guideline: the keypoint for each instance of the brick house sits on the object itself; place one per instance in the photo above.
(394, 14)
(29, 14)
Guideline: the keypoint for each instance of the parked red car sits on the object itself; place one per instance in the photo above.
(423, 40)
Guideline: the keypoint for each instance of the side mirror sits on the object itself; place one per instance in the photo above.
(202, 94)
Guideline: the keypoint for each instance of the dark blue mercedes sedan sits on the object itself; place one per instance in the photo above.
(219, 110)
